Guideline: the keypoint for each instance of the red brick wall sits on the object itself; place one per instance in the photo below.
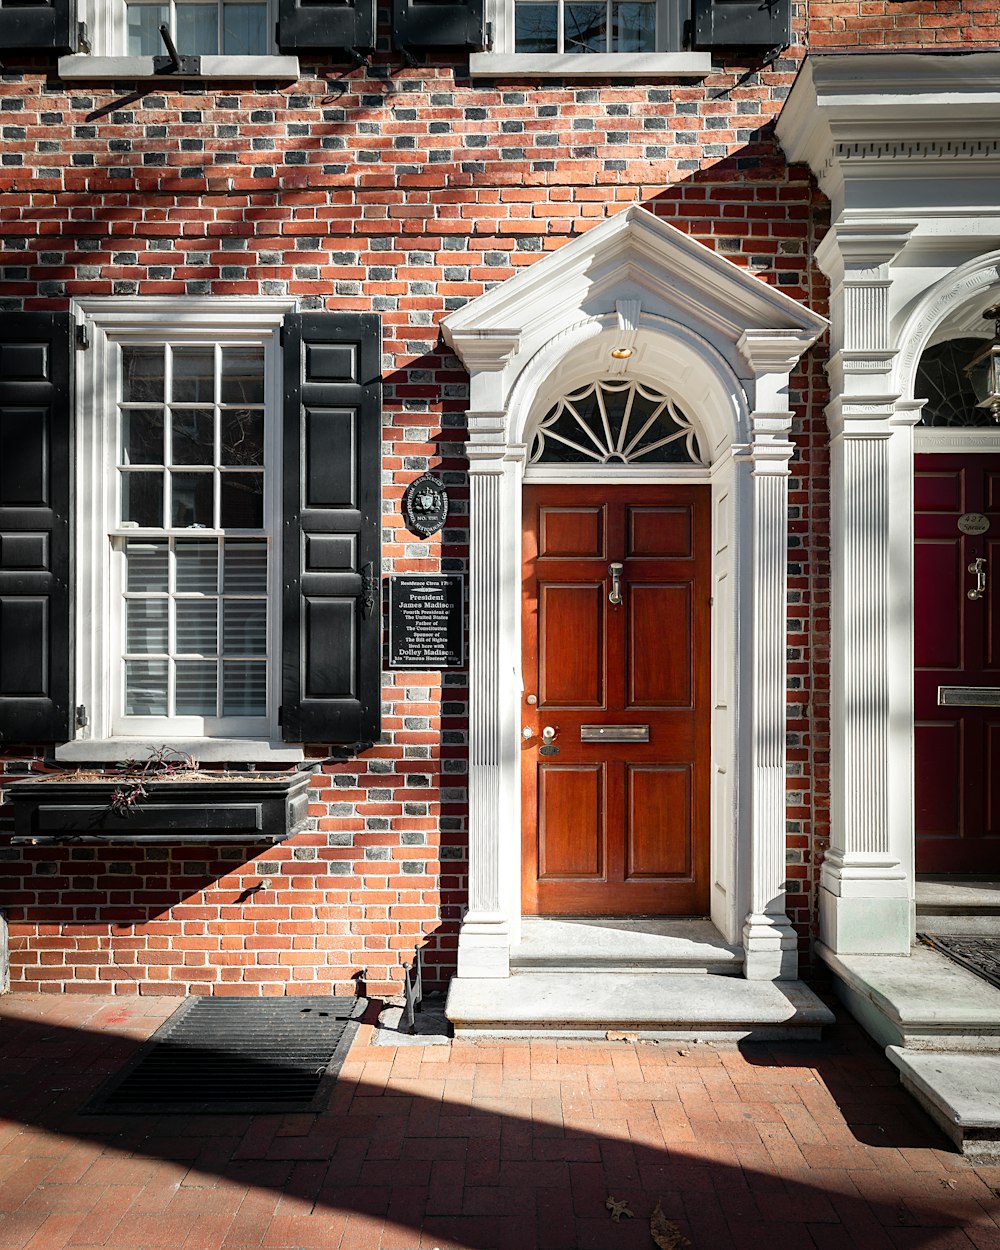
(407, 201)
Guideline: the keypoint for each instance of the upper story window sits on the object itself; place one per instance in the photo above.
(588, 27)
(238, 29)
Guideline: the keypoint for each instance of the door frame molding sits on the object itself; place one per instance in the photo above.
(527, 342)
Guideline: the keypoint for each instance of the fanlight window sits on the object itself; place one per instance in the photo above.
(942, 381)
(612, 420)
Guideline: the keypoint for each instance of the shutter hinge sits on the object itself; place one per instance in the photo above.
(82, 338)
(82, 720)
(82, 38)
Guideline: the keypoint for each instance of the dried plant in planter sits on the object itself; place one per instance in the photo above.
(160, 764)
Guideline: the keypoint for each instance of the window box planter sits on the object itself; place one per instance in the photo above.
(225, 807)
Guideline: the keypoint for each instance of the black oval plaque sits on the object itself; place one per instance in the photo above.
(425, 505)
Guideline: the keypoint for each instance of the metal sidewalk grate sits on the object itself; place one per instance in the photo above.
(979, 954)
(225, 1056)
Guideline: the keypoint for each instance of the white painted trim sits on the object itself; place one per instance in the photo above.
(721, 343)
(905, 146)
(965, 441)
(138, 319)
(596, 65)
(205, 750)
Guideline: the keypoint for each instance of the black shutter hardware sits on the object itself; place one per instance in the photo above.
(50, 25)
(439, 24)
(332, 432)
(35, 459)
(346, 26)
(742, 23)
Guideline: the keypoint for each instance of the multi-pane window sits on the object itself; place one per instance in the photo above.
(585, 26)
(193, 534)
(199, 29)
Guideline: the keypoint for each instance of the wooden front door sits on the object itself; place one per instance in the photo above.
(612, 826)
(957, 663)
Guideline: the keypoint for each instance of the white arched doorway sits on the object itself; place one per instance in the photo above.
(695, 327)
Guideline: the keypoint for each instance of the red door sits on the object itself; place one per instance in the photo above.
(957, 662)
(615, 805)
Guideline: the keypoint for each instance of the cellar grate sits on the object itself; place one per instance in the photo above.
(224, 1056)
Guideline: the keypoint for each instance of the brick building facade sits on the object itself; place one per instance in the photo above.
(407, 188)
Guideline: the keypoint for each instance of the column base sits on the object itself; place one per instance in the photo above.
(865, 926)
(770, 949)
(484, 945)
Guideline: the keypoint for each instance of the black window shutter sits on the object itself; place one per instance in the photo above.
(331, 548)
(347, 25)
(46, 24)
(35, 458)
(438, 24)
(742, 23)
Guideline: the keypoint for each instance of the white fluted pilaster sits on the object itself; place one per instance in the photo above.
(484, 940)
(769, 941)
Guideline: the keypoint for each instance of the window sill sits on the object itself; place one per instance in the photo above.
(123, 68)
(204, 750)
(599, 65)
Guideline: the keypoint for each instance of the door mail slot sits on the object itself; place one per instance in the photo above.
(968, 696)
(614, 733)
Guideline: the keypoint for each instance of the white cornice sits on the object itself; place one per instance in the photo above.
(886, 114)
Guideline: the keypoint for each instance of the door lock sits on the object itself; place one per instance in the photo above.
(615, 572)
(978, 569)
(548, 746)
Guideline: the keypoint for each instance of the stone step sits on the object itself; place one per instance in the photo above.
(603, 944)
(957, 896)
(690, 1006)
(921, 1002)
(960, 1092)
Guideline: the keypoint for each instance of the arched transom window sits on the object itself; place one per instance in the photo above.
(613, 420)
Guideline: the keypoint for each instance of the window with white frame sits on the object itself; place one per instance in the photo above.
(589, 27)
(217, 28)
(182, 441)
(190, 543)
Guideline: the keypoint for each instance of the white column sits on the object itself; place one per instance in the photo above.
(494, 602)
(484, 940)
(865, 894)
(770, 944)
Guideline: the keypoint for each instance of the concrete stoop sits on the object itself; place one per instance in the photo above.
(651, 1005)
(939, 1022)
(961, 1094)
(652, 977)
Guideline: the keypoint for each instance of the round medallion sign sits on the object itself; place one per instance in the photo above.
(973, 523)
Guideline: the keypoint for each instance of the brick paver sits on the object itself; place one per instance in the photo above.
(483, 1147)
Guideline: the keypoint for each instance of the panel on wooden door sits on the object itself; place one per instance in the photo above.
(956, 662)
(615, 795)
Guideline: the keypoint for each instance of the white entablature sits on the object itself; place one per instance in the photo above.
(721, 343)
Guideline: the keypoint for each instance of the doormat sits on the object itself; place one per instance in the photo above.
(226, 1056)
(980, 955)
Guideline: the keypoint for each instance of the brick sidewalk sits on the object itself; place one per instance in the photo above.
(482, 1147)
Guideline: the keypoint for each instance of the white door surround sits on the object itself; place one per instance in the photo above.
(905, 145)
(722, 344)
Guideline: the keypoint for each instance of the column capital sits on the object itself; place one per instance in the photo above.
(483, 350)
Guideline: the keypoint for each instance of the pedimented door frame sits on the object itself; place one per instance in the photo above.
(722, 344)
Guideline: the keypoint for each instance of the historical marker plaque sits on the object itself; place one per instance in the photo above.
(426, 627)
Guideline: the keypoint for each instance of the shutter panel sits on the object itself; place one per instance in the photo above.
(50, 24)
(331, 547)
(347, 26)
(35, 432)
(742, 23)
(439, 24)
